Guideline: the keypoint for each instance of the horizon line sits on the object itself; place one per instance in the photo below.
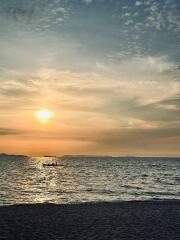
(90, 155)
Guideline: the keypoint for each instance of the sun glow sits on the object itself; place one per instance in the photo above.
(44, 115)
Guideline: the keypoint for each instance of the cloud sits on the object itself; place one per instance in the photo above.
(87, 1)
(153, 64)
(172, 103)
(157, 112)
(138, 3)
(34, 15)
(118, 135)
(10, 131)
(164, 16)
(142, 28)
(100, 66)
(117, 140)
(107, 87)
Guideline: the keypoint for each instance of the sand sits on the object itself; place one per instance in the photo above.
(106, 221)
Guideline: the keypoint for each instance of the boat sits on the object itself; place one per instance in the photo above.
(50, 164)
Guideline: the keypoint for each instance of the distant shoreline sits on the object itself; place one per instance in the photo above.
(139, 220)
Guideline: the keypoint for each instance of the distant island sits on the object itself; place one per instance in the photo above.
(95, 156)
(85, 156)
(71, 157)
(5, 155)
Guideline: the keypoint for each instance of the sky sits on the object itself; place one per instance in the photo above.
(108, 71)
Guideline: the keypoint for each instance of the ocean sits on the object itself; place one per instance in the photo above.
(85, 179)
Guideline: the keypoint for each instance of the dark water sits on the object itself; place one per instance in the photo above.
(80, 179)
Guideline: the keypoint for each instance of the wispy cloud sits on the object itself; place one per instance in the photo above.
(10, 131)
(87, 1)
(35, 15)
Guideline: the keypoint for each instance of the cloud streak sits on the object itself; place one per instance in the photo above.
(10, 132)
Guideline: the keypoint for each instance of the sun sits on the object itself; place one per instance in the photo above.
(44, 115)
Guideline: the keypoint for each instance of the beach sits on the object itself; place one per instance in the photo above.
(158, 219)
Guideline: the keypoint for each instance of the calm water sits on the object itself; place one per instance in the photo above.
(88, 179)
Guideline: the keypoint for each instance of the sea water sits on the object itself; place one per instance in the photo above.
(84, 179)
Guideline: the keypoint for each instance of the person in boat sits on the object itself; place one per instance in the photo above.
(50, 164)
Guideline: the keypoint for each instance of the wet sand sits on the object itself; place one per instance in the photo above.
(106, 221)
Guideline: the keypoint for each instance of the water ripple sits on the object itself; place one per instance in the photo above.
(88, 179)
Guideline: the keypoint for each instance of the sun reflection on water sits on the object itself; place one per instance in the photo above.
(78, 180)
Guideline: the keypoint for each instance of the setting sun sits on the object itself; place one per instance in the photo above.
(44, 115)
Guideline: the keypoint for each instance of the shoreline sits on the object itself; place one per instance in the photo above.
(160, 200)
(149, 219)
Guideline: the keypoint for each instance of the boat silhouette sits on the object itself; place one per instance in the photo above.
(50, 164)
